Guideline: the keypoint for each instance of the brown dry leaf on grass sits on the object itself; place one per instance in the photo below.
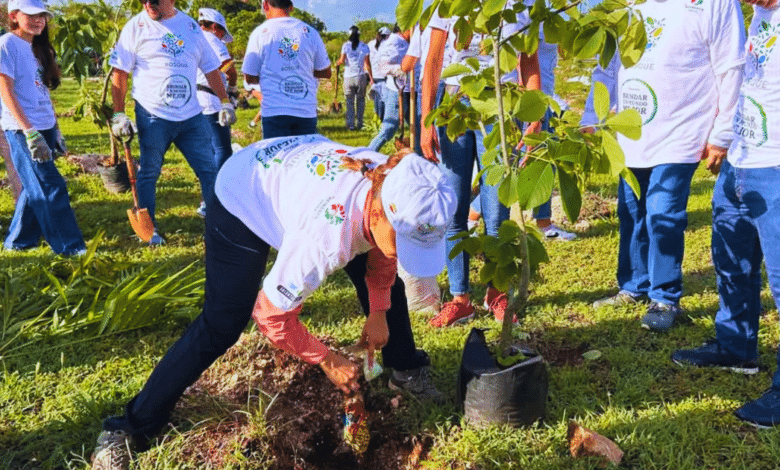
(584, 442)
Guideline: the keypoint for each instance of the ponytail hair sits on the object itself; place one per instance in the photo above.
(379, 39)
(47, 57)
(354, 37)
(376, 174)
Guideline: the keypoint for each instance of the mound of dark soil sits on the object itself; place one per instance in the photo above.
(304, 421)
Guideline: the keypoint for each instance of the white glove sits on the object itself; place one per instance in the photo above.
(121, 125)
(39, 149)
(227, 115)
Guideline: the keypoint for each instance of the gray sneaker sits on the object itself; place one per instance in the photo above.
(621, 298)
(418, 383)
(112, 451)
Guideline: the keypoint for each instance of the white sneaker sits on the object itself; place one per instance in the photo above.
(201, 210)
(553, 232)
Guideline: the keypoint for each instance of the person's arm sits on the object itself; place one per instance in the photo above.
(228, 67)
(408, 63)
(367, 67)
(119, 89)
(381, 273)
(430, 84)
(722, 133)
(214, 80)
(11, 103)
(324, 73)
(342, 59)
(530, 75)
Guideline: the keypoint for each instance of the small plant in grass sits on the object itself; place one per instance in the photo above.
(569, 153)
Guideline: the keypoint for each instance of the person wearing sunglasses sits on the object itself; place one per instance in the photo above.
(163, 49)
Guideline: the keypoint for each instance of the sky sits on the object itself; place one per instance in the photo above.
(339, 15)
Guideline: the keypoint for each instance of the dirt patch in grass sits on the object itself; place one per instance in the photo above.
(303, 416)
(558, 353)
(88, 163)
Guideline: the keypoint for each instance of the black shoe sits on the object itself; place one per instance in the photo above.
(660, 317)
(764, 412)
(418, 383)
(710, 354)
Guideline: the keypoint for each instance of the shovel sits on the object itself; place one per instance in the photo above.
(412, 110)
(335, 107)
(140, 219)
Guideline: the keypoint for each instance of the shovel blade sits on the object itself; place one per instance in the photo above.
(142, 223)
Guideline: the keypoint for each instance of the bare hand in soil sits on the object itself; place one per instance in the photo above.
(375, 334)
(584, 442)
(341, 371)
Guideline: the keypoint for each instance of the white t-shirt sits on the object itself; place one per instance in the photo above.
(674, 87)
(293, 194)
(209, 101)
(454, 56)
(356, 59)
(373, 58)
(18, 63)
(756, 135)
(392, 52)
(284, 53)
(164, 57)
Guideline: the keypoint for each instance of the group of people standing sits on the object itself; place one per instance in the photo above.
(702, 93)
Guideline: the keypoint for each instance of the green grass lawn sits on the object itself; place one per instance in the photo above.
(55, 386)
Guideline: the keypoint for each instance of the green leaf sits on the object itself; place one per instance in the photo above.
(533, 106)
(461, 7)
(507, 191)
(634, 43)
(571, 198)
(537, 252)
(507, 59)
(628, 122)
(614, 153)
(589, 42)
(592, 355)
(488, 107)
(407, 12)
(508, 231)
(491, 7)
(529, 180)
(630, 178)
(610, 46)
(487, 272)
(453, 70)
(543, 189)
(601, 100)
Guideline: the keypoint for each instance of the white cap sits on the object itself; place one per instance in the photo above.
(385, 31)
(29, 7)
(210, 14)
(419, 204)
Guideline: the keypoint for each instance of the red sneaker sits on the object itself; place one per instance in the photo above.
(453, 312)
(496, 302)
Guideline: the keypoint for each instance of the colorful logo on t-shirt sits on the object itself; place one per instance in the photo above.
(173, 44)
(325, 164)
(335, 214)
(288, 48)
(654, 29)
(750, 123)
(761, 45)
(696, 2)
(639, 95)
(39, 79)
(695, 5)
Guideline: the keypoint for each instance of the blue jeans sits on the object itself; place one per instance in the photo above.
(43, 207)
(379, 104)
(235, 264)
(285, 126)
(457, 164)
(745, 231)
(652, 231)
(220, 140)
(390, 122)
(193, 139)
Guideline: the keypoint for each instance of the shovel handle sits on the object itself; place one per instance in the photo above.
(130, 168)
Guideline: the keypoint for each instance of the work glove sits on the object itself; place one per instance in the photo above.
(121, 126)
(39, 149)
(60, 147)
(227, 115)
